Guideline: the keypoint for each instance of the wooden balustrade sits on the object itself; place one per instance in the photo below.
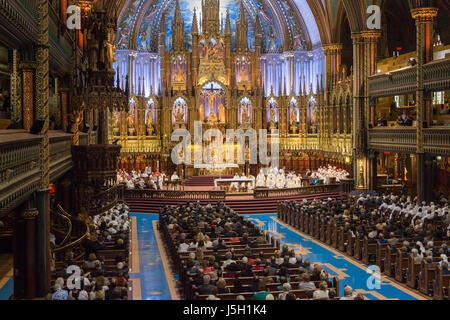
(174, 194)
(289, 192)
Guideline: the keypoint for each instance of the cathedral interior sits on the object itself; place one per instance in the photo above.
(88, 87)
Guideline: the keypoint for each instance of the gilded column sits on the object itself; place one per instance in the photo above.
(42, 110)
(16, 112)
(27, 72)
(424, 46)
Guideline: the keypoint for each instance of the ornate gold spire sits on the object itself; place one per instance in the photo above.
(194, 28)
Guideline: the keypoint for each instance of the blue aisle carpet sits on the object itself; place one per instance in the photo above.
(152, 276)
(7, 290)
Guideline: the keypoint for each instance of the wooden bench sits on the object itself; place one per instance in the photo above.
(441, 283)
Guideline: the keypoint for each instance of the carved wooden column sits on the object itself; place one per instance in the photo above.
(364, 55)
(27, 71)
(424, 34)
(42, 110)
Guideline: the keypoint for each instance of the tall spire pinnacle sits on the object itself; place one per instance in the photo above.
(228, 23)
(194, 28)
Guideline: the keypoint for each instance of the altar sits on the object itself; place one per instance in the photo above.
(218, 182)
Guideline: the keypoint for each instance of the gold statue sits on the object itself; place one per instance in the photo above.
(179, 116)
(110, 50)
(245, 116)
(201, 113)
(212, 117)
(243, 74)
(294, 115)
(222, 113)
(179, 74)
(273, 114)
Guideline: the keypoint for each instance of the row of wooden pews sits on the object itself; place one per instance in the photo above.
(429, 280)
(265, 250)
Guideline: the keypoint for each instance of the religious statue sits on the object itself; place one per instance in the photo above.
(149, 123)
(243, 73)
(115, 125)
(145, 34)
(109, 52)
(294, 116)
(273, 114)
(222, 113)
(130, 120)
(212, 117)
(179, 74)
(245, 116)
(179, 116)
(201, 113)
(272, 36)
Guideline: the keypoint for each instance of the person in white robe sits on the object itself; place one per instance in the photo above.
(271, 180)
(160, 181)
(174, 179)
(281, 179)
(261, 179)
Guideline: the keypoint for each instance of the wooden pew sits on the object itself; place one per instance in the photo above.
(323, 230)
(389, 261)
(357, 252)
(412, 272)
(441, 283)
(369, 249)
(426, 278)
(401, 263)
(351, 243)
(381, 255)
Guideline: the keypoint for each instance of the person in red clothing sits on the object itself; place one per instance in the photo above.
(258, 266)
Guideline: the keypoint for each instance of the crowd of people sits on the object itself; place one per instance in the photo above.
(93, 276)
(398, 220)
(146, 179)
(274, 178)
(209, 235)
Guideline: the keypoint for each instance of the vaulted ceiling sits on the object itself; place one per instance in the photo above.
(294, 23)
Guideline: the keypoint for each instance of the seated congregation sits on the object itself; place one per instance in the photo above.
(99, 269)
(221, 256)
(407, 240)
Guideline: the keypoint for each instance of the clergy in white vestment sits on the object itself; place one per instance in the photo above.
(160, 181)
(271, 180)
(130, 184)
(261, 179)
(281, 179)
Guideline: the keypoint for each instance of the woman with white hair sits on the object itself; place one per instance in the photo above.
(322, 292)
(416, 256)
(348, 293)
(286, 288)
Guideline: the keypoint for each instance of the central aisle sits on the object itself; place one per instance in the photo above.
(349, 271)
(151, 278)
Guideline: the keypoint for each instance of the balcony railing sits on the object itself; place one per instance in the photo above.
(393, 139)
(404, 81)
(437, 140)
(19, 165)
(404, 139)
